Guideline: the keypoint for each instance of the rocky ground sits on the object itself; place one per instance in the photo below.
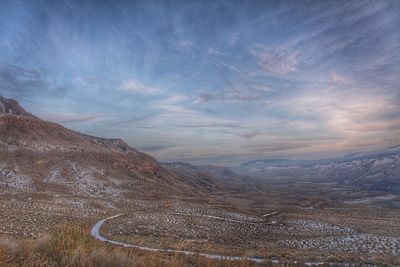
(350, 233)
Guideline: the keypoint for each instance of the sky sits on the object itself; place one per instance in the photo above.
(210, 82)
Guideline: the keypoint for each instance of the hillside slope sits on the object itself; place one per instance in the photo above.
(41, 156)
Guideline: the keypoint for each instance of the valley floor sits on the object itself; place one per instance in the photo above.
(268, 228)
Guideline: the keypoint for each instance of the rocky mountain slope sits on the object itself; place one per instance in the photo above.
(41, 156)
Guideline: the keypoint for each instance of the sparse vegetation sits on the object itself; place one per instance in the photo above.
(70, 245)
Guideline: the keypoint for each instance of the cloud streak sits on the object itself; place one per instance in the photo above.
(134, 86)
(72, 118)
(282, 62)
(23, 82)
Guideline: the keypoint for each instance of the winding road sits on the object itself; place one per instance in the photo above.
(95, 232)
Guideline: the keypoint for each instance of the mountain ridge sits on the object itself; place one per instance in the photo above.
(41, 156)
(23, 135)
(392, 150)
(373, 170)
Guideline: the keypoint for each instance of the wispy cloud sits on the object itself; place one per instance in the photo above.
(157, 148)
(135, 119)
(227, 66)
(22, 82)
(71, 118)
(244, 134)
(175, 113)
(203, 98)
(214, 52)
(275, 61)
(339, 79)
(135, 86)
(247, 95)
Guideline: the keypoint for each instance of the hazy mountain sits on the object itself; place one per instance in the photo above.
(375, 170)
(213, 177)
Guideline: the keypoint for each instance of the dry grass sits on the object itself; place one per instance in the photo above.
(71, 246)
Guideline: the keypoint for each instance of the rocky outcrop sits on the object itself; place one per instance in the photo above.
(12, 107)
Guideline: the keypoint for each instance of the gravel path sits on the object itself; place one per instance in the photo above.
(95, 232)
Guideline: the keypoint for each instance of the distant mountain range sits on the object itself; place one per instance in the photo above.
(262, 163)
(373, 170)
(210, 176)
